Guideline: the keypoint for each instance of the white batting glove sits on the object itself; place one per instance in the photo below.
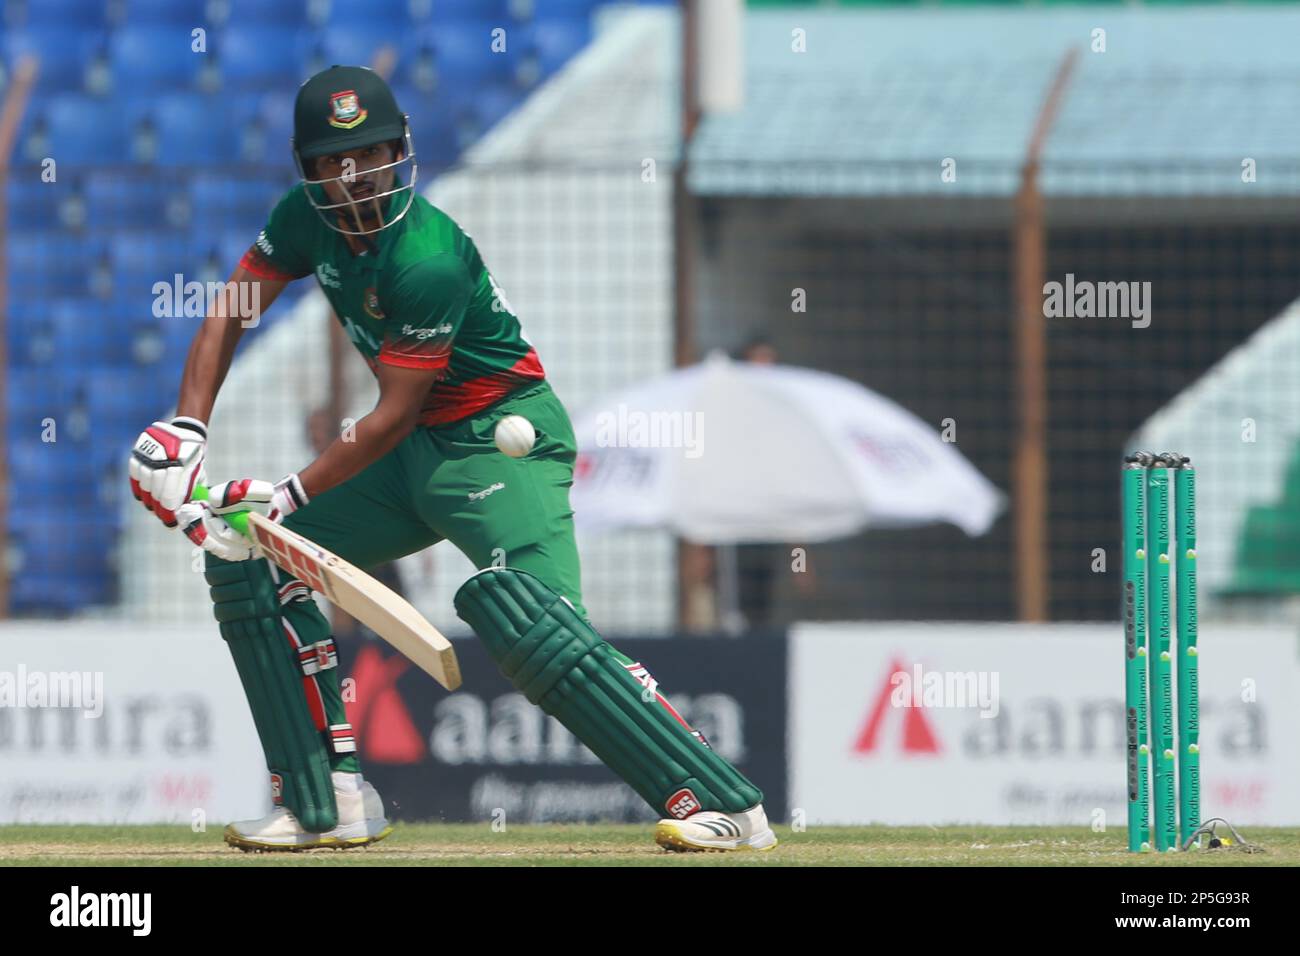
(273, 501)
(166, 463)
(212, 533)
(204, 524)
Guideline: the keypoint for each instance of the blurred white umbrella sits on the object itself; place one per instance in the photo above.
(732, 452)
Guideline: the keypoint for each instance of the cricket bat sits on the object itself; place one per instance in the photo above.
(348, 587)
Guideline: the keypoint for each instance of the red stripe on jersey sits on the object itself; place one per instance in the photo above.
(451, 403)
(431, 360)
(255, 262)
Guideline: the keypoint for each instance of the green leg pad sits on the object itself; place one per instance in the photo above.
(248, 614)
(556, 660)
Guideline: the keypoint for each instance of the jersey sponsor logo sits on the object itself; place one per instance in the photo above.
(328, 276)
(371, 303)
(480, 495)
(422, 334)
(264, 244)
(346, 111)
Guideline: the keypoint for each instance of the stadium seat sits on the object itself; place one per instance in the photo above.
(49, 264)
(119, 405)
(571, 9)
(396, 14)
(185, 131)
(462, 53)
(150, 60)
(499, 10)
(433, 129)
(87, 333)
(29, 334)
(182, 13)
(356, 45)
(241, 56)
(33, 204)
(61, 54)
(65, 553)
(83, 131)
(224, 202)
(557, 40)
(34, 395)
(86, 14)
(126, 199)
(493, 103)
(262, 13)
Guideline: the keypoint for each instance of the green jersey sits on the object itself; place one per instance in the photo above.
(419, 297)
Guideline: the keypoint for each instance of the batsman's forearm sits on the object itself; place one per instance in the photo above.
(206, 366)
(372, 437)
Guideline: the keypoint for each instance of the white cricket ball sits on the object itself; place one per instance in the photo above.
(514, 435)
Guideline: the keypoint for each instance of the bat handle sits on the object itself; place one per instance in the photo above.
(236, 519)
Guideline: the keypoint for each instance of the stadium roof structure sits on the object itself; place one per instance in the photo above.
(1173, 106)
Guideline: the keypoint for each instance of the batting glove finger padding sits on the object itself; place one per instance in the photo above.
(166, 463)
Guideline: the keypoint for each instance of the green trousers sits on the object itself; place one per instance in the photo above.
(453, 483)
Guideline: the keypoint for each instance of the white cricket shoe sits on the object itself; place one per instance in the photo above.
(361, 821)
(714, 830)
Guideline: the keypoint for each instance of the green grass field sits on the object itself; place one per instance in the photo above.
(627, 845)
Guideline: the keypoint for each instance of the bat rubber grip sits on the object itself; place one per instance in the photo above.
(236, 519)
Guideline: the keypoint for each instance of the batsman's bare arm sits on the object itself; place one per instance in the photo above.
(401, 391)
(213, 347)
(401, 394)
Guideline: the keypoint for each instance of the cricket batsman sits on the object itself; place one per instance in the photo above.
(418, 303)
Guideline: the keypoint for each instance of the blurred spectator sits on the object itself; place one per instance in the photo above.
(758, 566)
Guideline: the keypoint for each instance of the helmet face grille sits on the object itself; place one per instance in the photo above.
(339, 216)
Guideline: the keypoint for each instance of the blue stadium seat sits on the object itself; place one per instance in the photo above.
(62, 54)
(120, 405)
(182, 13)
(224, 202)
(48, 264)
(268, 13)
(392, 13)
(241, 52)
(556, 40)
(29, 336)
(117, 200)
(34, 204)
(33, 395)
(65, 551)
(572, 9)
(150, 59)
(356, 44)
(142, 260)
(446, 10)
(85, 14)
(462, 56)
(55, 465)
(86, 333)
(493, 102)
(83, 131)
(186, 135)
(433, 129)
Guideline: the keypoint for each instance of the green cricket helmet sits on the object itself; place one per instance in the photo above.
(345, 108)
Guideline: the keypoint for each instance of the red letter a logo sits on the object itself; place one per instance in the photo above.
(378, 716)
(918, 736)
